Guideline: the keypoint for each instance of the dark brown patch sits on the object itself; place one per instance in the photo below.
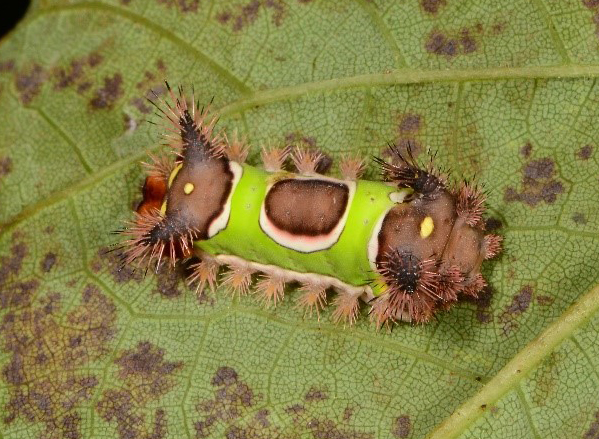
(520, 301)
(451, 45)
(348, 413)
(76, 72)
(151, 85)
(545, 300)
(538, 184)
(298, 139)
(48, 376)
(112, 260)
(29, 82)
(593, 431)
(243, 15)
(402, 427)
(48, 262)
(409, 123)
(7, 66)
(5, 166)
(526, 150)
(483, 304)
(579, 218)
(144, 377)
(492, 224)
(168, 281)
(232, 399)
(585, 152)
(593, 5)
(328, 429)
(316, 394)
(323, 204)
(432, 6)
(106, 96)
(185, 6)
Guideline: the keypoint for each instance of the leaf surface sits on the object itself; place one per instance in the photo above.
(504, 92)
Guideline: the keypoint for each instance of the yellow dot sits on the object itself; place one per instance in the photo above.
(426, 227)
(188, 188)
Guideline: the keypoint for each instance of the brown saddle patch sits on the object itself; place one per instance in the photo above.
(306, 207)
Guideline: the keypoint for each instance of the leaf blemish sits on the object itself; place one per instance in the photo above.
(145, 377)
(483, 305)
(402, 427)
(538, 184)
(432, 6)
(185, 6)
(526, 150)
(29, 82)
(593, 5)
(246, 15)
(48, 262)
(585, 152)
(316, 394)
(106, 96)
(7, 66)
(112, 260)
(5, 166)
(44, 376)
(76, 72)
(593, 431)
(451, 45)
(579, 218)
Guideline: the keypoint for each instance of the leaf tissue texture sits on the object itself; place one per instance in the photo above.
(503, 91)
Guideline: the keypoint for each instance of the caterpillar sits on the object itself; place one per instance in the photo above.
(408, 246)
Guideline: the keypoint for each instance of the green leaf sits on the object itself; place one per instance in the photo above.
(503, 91)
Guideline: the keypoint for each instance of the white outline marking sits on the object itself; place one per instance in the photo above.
(221, 221)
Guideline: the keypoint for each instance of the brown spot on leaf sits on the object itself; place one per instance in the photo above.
(48, 262)
(585, 152)
(520, 301)
(121, 273)
(76, 72)
(593, 5)
(29, 82)
(316, 394)
(328, 429)
(168, 281)
(593, 431)
(526, 150)
(5, 166)
(106, 96)
(402, 427)
(579, 218)
(492, 224)
(48, 376)
(185, 6)
(151, 85)
(538, 184)
(451, 44)
(545, 300)
(243, 15)
(144, 377)
(7, 66)
(483, 303)
(232, 398)
(432, 6)
(409, 123)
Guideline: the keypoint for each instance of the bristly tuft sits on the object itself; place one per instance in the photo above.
(273, 157)
(204, 273)
(351, 167)
(238, 279)
(151, 237)
(236, 149)
(470, 204)
(475, 285)
(346, 306)
(492, 245)
(413, 288)
(271, 288)
(409, 174)
(159, 166)
(189, 129)
(313, 297)
(306, 161)
(450, 283)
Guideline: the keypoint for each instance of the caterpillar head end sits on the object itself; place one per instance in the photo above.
(430, 248)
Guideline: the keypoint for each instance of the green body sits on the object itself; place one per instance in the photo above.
(346, 260)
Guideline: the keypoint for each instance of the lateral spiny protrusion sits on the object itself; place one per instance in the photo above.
(274, 157)
(313, 297)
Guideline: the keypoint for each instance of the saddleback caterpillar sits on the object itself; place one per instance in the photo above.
(408, 246)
